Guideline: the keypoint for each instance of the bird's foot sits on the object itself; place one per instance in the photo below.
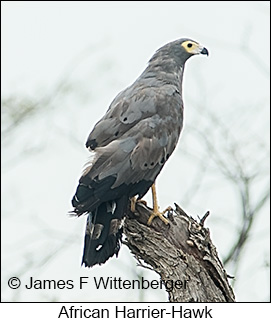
(157, 213)
(134, 200)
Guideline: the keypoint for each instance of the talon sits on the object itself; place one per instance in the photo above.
(160, 216)
(156, 211)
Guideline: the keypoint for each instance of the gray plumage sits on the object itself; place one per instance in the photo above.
(131, 144)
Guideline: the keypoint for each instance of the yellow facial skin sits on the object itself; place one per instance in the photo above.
(192, 47)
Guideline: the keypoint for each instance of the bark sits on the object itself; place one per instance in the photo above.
(180, 251)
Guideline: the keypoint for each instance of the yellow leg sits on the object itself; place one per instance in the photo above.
(134, 201)
(156, 211)
(133, 204)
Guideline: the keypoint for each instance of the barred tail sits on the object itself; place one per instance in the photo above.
(104, 232)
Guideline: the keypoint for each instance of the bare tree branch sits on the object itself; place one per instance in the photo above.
(180, 252)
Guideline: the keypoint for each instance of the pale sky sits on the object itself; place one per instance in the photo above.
(98, 49)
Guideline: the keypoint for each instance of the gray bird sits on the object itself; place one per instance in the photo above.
(130, 146)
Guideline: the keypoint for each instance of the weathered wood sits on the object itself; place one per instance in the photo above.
(180, 251)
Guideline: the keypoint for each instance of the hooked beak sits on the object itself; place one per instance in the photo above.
(204, 51)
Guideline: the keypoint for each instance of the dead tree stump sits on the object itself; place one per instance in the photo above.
(180, 251)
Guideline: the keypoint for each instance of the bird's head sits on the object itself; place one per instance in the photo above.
(180, 50)
(190, 47)
(184, 48)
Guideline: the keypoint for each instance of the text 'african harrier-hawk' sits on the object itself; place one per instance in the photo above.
(131, 144)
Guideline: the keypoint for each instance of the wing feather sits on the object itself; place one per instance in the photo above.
(134, 104)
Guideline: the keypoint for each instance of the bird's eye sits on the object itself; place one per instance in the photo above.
(189, 45)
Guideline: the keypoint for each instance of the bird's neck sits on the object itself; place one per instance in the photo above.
(164, 70)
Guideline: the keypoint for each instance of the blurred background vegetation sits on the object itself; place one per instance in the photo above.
(62, 64)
